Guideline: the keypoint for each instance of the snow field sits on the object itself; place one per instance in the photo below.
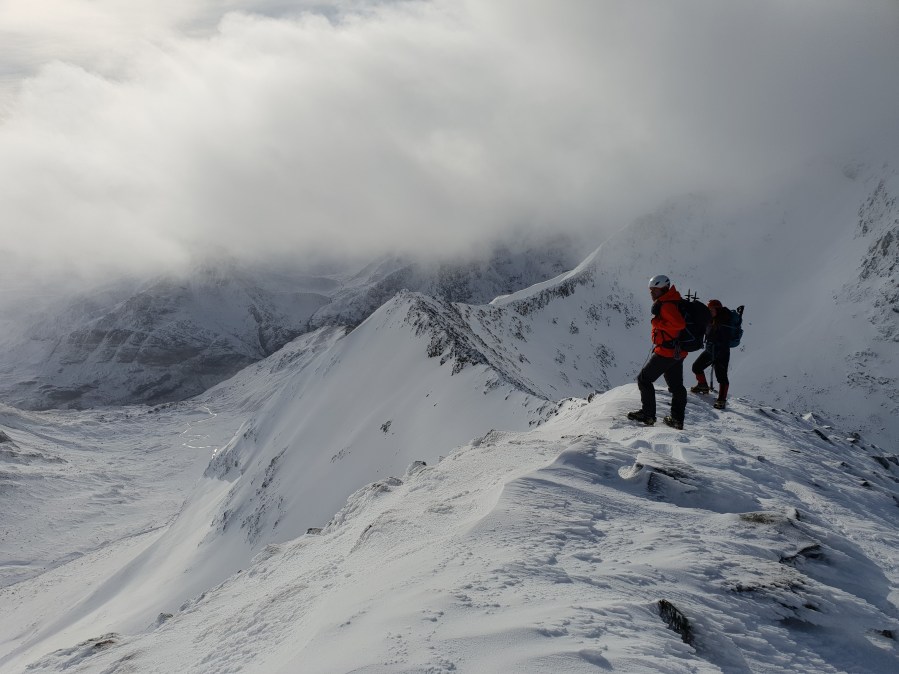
(550, 550)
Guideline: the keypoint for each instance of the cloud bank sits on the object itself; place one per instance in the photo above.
(131, 141)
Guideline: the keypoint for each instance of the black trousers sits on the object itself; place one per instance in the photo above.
(719, 360)
(673, 371)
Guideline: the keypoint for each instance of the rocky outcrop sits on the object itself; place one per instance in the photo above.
(878, 220)
(878, 224)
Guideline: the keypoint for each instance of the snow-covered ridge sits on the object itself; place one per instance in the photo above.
(459, 352)
(755, 540)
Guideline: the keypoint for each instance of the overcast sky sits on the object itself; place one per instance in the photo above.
(136, 134)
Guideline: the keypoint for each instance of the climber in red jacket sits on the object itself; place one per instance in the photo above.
(667, 359)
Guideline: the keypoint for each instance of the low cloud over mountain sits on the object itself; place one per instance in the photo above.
(138, 139)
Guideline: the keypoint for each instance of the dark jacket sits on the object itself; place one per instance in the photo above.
(717, 333)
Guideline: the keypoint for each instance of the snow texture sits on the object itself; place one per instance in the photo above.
(747, 542)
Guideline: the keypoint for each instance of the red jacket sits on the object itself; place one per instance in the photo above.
(667, 323)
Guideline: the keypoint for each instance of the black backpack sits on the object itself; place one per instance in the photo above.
(735, 327)
(697, 316)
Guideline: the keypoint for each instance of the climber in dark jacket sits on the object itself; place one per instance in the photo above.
(716, 353)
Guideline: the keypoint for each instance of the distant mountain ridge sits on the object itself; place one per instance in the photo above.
(471, 282)
(166, 341)
(173, 339)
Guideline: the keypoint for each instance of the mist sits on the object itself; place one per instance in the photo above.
(134, 141)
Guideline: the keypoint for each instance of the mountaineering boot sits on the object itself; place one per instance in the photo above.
(721, 403)
(700, 388)
(642, 417)
(674, 423)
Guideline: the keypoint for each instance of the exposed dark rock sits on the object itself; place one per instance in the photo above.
(453, 340)
(765, 518)
(812, 551)
(822, 436)
(564, 289)
(882, 461)
(163, 617)
(676, 621)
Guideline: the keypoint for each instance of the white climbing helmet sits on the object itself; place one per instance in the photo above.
(659, 281)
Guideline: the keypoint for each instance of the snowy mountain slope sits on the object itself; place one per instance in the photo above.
(572, 335)
(113, 487)
(420, 372)
(753, 541)
(170, 340)
(71, 483)
(174, 338)
(876, 290)
(354, 406)
(334, 410)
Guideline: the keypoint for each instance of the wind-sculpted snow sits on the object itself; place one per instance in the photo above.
(72, 484)
(752, 541)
